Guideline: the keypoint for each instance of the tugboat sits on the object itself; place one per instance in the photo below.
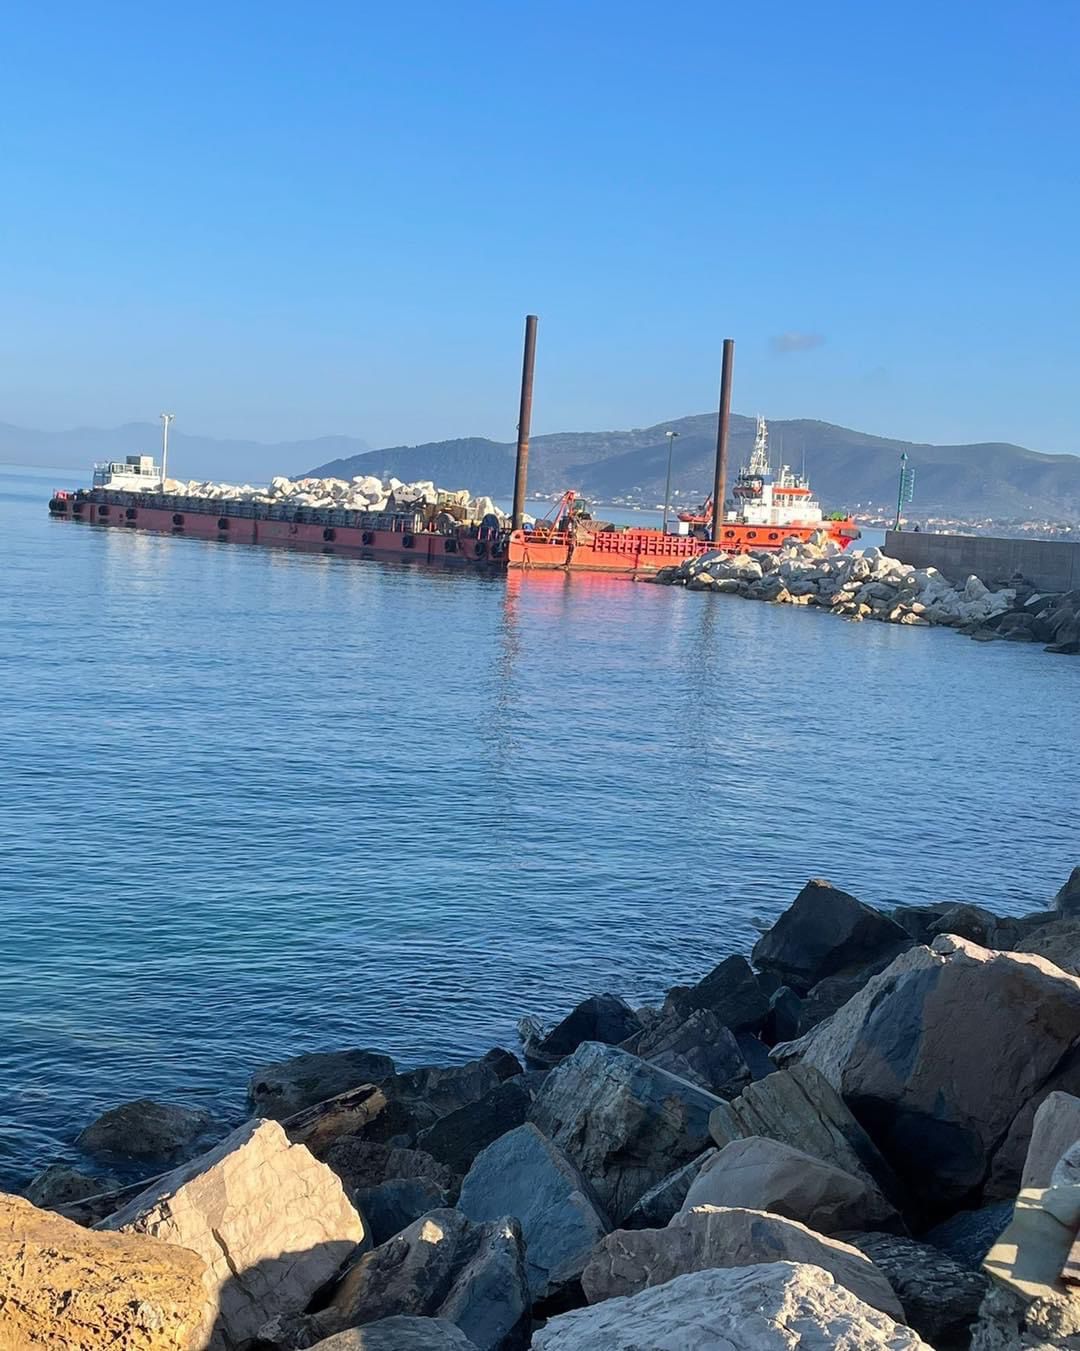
(768, 508)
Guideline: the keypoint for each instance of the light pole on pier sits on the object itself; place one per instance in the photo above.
(166, 419)
(667, 487)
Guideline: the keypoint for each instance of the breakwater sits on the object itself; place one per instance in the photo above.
(872, 584)
(805, 1132)
(1049, 565)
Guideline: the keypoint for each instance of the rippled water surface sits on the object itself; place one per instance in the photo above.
(259, 802)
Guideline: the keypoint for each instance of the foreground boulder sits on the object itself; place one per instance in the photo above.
(800, 1108)
(279, 1090)
(764, 1174)
(145, 1130)
(65, 1287)
(631, 1260)
(939, 1054)
(523, 1174)
(775, 1307)
(823, 932)
(940, 1297)
(443, 1266)
(624, 1123)
(271, 1223)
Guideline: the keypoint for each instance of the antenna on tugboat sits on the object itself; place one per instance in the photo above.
(521, 466)
(720, 477)
(166, 419)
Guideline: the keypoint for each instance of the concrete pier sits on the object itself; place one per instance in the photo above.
(1053, 565)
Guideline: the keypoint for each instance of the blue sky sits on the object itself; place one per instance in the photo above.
(285, 220)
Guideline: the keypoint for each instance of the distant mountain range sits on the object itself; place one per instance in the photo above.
(847, 468)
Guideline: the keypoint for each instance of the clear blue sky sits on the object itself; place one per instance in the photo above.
(283, 220)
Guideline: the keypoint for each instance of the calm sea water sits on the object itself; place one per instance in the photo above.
(259, 802)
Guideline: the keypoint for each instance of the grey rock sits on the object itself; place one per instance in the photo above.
(1066, 1172)
(940, 1297)
(623, 1122)
(661, 1203)
(763, 1174)
(59, 1185)
(969, 1235)
(1055, 1130)
(967, 921)
(824, 931)
(525, 1175)
(772, 1307)
(1057, 941)
(282, 1089)
(1067, 901)
(367, 1163)
(730, 991)
(1008, 1322)
(393, 1205)
(917, 920)
(910, 1053)
(145, 1130)
(710, 1237)
(400, 1334)
(703, 1044)
(272, 1224)
(458, 1137)
(799, 1107)
(442, 1266)
(91, 1210)
(1011, 1154)
(600, 1018)
(756, 1054)
(420, 1097)
(831, 994)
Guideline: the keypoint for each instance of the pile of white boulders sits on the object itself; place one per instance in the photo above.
(857, 585)
(362, 493)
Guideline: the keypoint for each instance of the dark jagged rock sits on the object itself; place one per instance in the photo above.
(782, 1023)
(525, 1175)
(698, 1047)
(756, 1054)
(282, 1089)
(660, 1203)
(398, 1334)
(624, 1123)
(1067, 901)
(458, 1137)
(145, 1130)
(825, 931)
(393, 1205)
(967, 921)
(601, 1018)
(730, 991)
(505, 1064)
(940, 1296)
(362, 1164)
(917, 920)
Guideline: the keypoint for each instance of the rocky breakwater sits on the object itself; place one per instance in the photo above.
(819, 1146)
(868, 584)
(362, 493)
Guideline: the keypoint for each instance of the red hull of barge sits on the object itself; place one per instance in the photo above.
(420, 545)
(642, 553)
(619, 553)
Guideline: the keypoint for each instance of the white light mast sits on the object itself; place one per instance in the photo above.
(166, 419)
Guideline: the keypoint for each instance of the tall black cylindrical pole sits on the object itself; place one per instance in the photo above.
(720, 479)
(521, 466)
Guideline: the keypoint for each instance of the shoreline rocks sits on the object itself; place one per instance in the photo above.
(702, 1173)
